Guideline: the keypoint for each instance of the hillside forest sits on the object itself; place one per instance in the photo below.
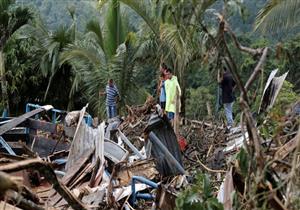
(64, 52)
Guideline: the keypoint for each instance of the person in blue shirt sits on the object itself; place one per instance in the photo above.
(112, 95)
(162, 89)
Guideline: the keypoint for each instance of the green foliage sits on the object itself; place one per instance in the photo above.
(286, 98)
(103, 53)
(25, 84)
(197, 102)
(11, 19)
(243, 161)
(277, 15)
(51, 45)
(288, 54)
(115, 29)
(80, 63)
(54, 12)
(198, 196)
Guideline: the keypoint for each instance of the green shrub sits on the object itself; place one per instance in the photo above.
(198, 196)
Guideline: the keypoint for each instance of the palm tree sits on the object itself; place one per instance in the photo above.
(105, 52)
(11, 19)
(176, 29)
(50, 45)
(277, 14)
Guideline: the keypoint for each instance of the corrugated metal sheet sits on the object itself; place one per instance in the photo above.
(85, 139)
(271, 91)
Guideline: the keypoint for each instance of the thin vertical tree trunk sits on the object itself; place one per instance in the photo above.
(3, 84)
(183, 97)
(209, 111)
(177, 116)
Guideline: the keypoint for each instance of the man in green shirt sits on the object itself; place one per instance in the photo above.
(173, 91)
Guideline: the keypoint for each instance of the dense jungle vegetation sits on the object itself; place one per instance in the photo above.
(62, 52)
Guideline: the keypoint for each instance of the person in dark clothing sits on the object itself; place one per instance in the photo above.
(227, 85)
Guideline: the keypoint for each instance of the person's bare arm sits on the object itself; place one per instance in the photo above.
(102, 93)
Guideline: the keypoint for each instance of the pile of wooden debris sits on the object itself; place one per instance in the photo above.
(139, 163)
(84, 167)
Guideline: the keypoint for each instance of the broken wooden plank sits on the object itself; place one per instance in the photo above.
(57, 200)
(8, 182)
(78, 166)
(12, 157)
(21, 165)
(57, 155)
(286, 149)
(7, 206)
(27, 150)
(45, 169)
(88, 169)
(94, 173)
(144, 168)
(71, 174)
(99, 174)
(16, 121)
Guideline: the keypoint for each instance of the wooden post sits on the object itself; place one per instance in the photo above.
(177, 117)
(209, 111)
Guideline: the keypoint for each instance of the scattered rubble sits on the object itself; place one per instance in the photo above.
(139, 163)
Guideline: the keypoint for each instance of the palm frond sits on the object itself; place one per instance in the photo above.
(141, 8)
(147, 48)
(122, 68)
(20, 17)
(114, 35)
(11, 19)
(95, 80)
(93, 29)
(83, 52)
(278, 15)
(5, 4)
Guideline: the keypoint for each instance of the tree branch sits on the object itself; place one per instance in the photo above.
(241, 47)
(257, 69)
